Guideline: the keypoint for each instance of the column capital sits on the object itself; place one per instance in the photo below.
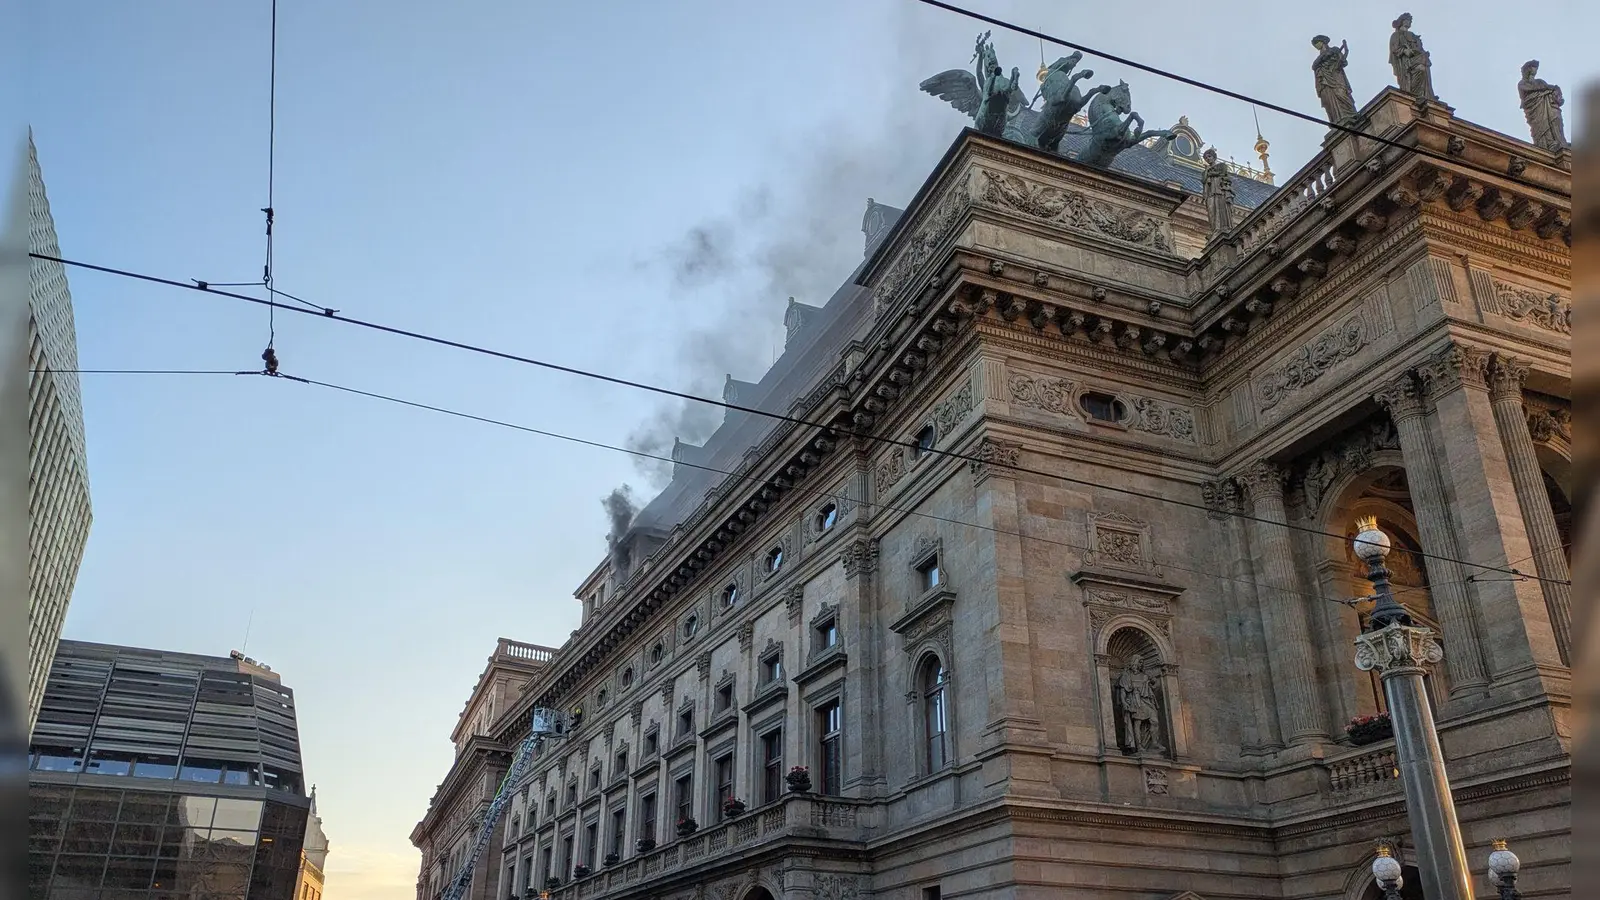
(1506, 375)
(993, 456)
(1396, 647)
(1401, 396)
(1457, 365)
(1264, 478)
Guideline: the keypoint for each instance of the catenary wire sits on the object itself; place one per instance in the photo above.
(795, 420)
(1207, 86)
(746, 476)
(272, 154)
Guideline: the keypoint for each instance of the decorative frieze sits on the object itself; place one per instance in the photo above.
(953, 410)
(918, 250)
(860, 558)
(1049, 394)
(994, 455)
(1073, 209)
(1455, 366)
(891, 468)
(1223, 497)
(1312, 361)
(1119, 541)
(1545, 425)
(1161, 418)
(1350, 454)
(1537, 308)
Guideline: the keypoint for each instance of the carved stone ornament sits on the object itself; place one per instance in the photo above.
(1397, 647)
(918, 250)
(747, 634)
(1352, 452)
(1049, 394)
(1402, 397)
(860, 558)
(828, 886)
(1118, 541)
(792, 602)
(1222, 497)
(702, 664)
(994, 456)
(1540, 309)
(1545, 425)
(1455, 366)
(891, 468)
(1506, 375)
(1106, 605)
(1155, 781)
(1161, 418)
(1312, 361)
(1072, 209)
(950, 413)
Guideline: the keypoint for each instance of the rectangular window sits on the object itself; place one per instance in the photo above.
(772, 766)
(830, 750)
(724, 698)
(572, 792)
(652, 744)
(931, 893)
(594, 779)
(591, 838)
(684, 798)
(566, 857)
(723, 769)
(772, 669)
(544, 864)
(686, 723)
(619, 831)
(828, 634)
(932, 577)
(511, 884)
(647, 817)
(619, 768)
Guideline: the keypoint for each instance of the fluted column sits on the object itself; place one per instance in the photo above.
(1527, 478)
(1283, 611)
(1448, 582)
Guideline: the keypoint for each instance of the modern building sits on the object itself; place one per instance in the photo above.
(313, 856)
(157, 775)
(447, 832)
(58, 470)
(1045, 586)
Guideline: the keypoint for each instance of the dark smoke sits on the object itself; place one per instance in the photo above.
(620, 509)
(797, 234)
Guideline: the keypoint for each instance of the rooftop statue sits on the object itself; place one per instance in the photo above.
(1218, 192)
(1333, 87)
(1062, 100)
(1413, 68)
(987, 93)
(1109, 132)
(1541, 103)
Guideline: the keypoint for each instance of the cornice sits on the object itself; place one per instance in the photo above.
(1515, 250)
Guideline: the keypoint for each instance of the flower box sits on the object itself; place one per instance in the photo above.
(687, 827)
(612, 859)
(733, 807)
(581, 871)
(1369, 729)
(799, 779)
(645, 845)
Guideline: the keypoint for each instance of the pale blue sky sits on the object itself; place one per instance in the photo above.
(516, 175)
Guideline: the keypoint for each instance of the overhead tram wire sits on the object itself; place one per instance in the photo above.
(794, 420)
(272, 153)
(1215, 89)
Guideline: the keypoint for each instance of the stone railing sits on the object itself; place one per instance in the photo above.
(1270, 218)
(796, 815)
(519, 650)
(1368, 769)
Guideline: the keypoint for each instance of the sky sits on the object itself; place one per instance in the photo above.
(627, 187)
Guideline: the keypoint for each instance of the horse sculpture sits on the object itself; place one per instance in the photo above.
(1109, 132)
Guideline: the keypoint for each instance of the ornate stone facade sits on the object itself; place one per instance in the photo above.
(1095, 610)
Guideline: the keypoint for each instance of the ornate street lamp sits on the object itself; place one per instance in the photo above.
(1400, 650)
(1387, 870)
(1503, 867)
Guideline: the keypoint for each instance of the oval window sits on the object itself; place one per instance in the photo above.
(775, 559)
(1102, 407)
(827, 516)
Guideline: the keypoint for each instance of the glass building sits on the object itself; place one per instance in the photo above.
(164, 775)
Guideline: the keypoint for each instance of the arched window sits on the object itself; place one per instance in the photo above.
(935, 714)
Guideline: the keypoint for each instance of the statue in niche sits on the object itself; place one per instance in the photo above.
(1333, 86)
(1541, 103)
(1140, 708)
(987, 94)
(1218, 192)
(1062, 100)
(1109, 132)
(1413, 68)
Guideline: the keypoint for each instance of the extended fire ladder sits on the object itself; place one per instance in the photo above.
(547, 723)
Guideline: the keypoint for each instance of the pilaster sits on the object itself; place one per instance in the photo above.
(1300, 714)
(1516, 639)
(1549, 557)
(1403, 399)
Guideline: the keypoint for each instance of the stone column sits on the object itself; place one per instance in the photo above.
(1516, 638)
(1288, 632)
(1402, 397)
(864, 635)
(1550, 559)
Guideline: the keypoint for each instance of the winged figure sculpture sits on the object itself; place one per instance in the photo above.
(992, 98)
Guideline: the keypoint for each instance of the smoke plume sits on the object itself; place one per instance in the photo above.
(620, 510)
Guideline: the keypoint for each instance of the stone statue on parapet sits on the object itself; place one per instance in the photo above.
(1413, 67)
(1541, 103)
(986, 94)
(1218, 191)
(1109, 132)
(1062, 100)
(1333, 86)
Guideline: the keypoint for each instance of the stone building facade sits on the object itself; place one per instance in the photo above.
(447, 832)
(1044, 599)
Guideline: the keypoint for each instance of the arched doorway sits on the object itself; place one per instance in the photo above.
(761, 893)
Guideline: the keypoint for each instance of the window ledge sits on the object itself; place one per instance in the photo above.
(728, 718)
(766, 695)
(822, 663)
(932, 601)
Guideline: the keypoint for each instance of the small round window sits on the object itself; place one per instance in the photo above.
(1102, 407)
(730, 596)
(925, 440)
(774, 559)
(827, 516)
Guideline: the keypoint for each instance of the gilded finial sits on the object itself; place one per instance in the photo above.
(1367, 523)
(1500, 845)
(1383, 849)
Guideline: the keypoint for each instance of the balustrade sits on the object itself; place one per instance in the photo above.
(1270, 218)
(1369, 770)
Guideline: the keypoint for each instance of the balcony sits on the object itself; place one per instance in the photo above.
(510, 649)
(805, 817)
(1365, 772)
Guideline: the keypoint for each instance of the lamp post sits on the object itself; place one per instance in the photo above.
(1386, 869)
(1503, 867)
(1400, 650)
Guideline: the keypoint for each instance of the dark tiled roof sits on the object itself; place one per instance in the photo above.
(1159, 166)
